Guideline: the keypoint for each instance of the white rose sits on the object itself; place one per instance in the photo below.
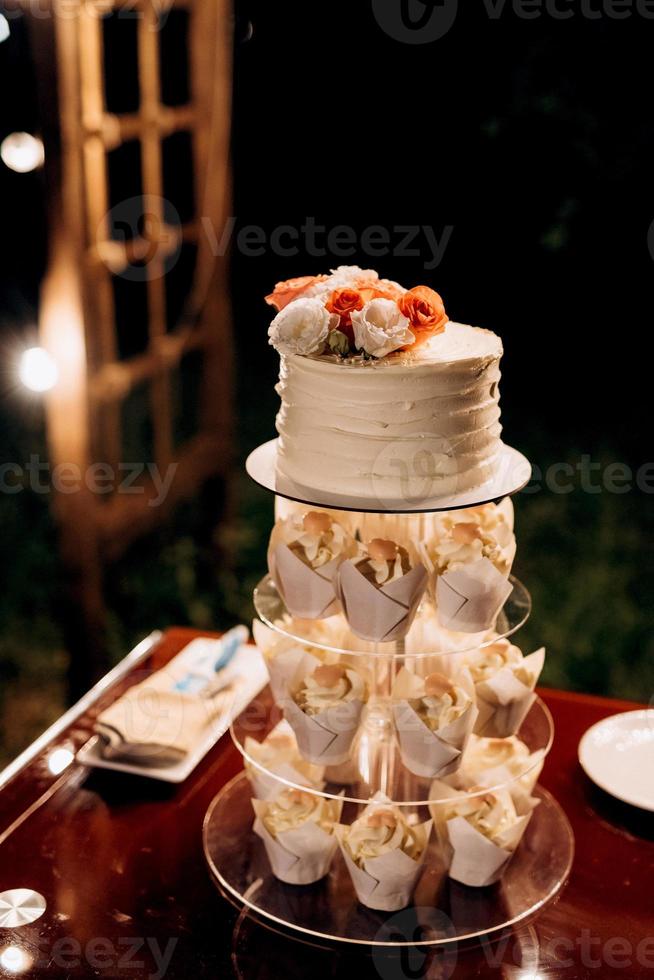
(344, 275)
(380, 328)
(302, 327)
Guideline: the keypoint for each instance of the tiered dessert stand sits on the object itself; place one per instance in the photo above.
(442, 910)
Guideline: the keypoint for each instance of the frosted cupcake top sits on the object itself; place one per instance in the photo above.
(442, 703)
(328, 686)
(293, 807)
(381, 831)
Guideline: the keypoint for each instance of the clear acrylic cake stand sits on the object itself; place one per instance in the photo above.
(442, 911)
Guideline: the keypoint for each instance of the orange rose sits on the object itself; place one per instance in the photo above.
(425, 312)
(289, 290)
(377, 289)
(343, 302)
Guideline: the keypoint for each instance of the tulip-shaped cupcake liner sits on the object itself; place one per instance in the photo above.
(307, 588)
(505, 697)
(385, 882)
(427, 752)
(474, 858)
(470, 597)
(309, 593)
(276, 760)
(282, 657)
(325, 737)
(301, 855)
(382, 613)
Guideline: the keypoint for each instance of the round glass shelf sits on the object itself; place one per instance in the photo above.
(443, 911)
(376, 763)
(426, 638)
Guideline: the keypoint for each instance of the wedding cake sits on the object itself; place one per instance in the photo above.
(381, 395)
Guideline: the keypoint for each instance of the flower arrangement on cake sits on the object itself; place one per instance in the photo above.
(353, 313)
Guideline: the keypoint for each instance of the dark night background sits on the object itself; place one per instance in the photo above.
(530, 139)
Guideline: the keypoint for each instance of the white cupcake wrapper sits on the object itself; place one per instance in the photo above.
(308, 593)
(381, 614)
(431, 754)
(266, 787)
(475, 860)
(267, 784)
(471, 858)
(469, 598)
(281, 656)
(282, 668)
(297, 857)
(385, 883)
(504, 701)
(425, 752)
(326, 738)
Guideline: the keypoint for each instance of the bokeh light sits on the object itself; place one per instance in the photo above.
(22, 152)
(38, 370)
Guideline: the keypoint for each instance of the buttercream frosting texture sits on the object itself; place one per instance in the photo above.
(409, 425)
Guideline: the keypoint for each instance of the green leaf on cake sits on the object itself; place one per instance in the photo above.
(338, 342)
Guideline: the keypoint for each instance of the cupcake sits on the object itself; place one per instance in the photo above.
(465, 536)
(384, 852)
(381, 590)
(297, 829)
(323, 706)
(278, 756)
(494, 761)
(478, 833)
(504, 682)
(282, 656)
(434, 717)
(303, 557)
(470, 558)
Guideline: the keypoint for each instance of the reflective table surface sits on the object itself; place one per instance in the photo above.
(118, 861)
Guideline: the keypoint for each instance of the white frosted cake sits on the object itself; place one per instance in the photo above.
(381, 396)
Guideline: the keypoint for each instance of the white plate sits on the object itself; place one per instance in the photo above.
(513, 473)
(618, 755)
(252, 675)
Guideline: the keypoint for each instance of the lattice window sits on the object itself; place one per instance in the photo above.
(97, 248)
(126, 236)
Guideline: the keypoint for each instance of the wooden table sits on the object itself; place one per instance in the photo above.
(119, 861)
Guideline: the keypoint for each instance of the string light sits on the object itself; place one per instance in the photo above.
(22, 152)
(38, 371)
